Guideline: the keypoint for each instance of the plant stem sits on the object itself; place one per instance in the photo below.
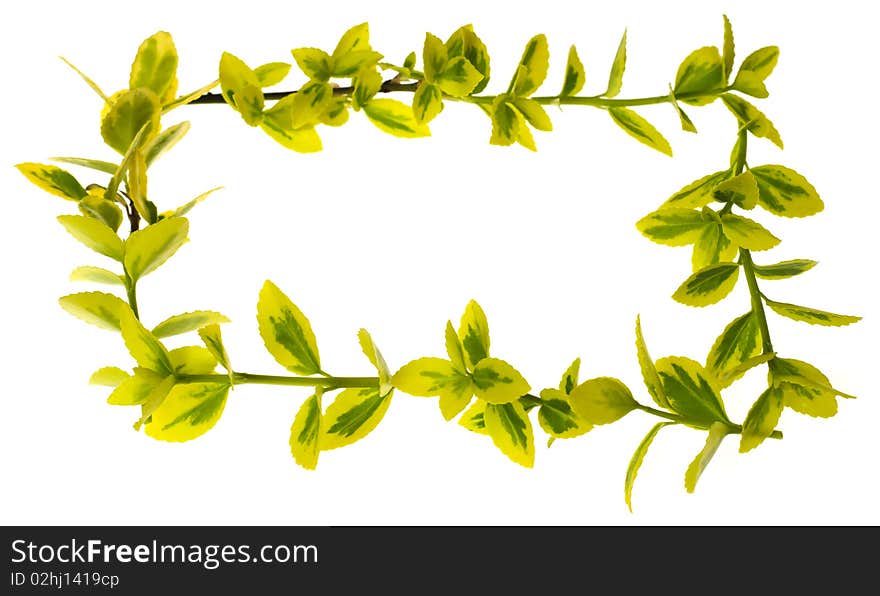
(131, 292)
(735, 429)
(254, 379)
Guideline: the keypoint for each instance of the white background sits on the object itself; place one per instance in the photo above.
(398, 235)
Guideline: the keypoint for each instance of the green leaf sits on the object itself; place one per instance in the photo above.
(575, 77)
(696, 194)
(135, 390)
(672, 226)
(713, 246)
(192, 360)
(784, 269)
(755, 68)
(94, 234)
(97, 207)
(636, 462)
(353, 415)
(474, 418)
(762, 419)
(811, 315)
(143, 346)
(747, 233)
(784, 192)
(511, 431)
(640, 129)
(189, 321)
(272, 73)
(464, 42)
(305, 432)
(709, 285)
(717, 432)
(473, 331)
(313, 62)
(534, 113)
(434, 56)
(287, 332)
(147, 249)
(702, 72)
(691, 390)
(557, 418)
(459, 77)
(109, 376)
(427, 103)
(213, 340)
(505, 123)
(497, 382)
(532, 68)
(164, 141)
(728, 50)
(131, 111)
(739, 342)
(649, 372)
(97, 275)
(615, 78)
(241, 88)
(741, 190)
(93, 164)
(371, 351)
(570, 377)
(429, 377)
(602, 400)
(752, 118)
(155, 66)
(395, 118)
(54, 180)
(188, 411)
(97, 308)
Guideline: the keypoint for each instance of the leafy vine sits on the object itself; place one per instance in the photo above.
(180, 393)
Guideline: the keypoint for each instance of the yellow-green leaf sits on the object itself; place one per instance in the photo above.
(602, 400)
(811, 315)
(709, 285)
(570, 377)
(696, 194)
(155, 66)
(143, 346)
(427, 103)
(164, 141)
(615, 77)
(717, 432)
(557, 418)
(149, 248)
(762, 418)
(189, 321)
(782, 191)
(747, 233)
(395, 118)
(355, 39)
(532, 67)
(131, 111)
(473, 332)
(313, 62)
(135, 389)
(353, 62)
(366, 85)
(784, 269)
(458, 77)
(88, 81)
(505, 123)
(497, 382)
(649, 372)
(636, 462)
(97, 275)
(804, 387)
(755, 68)
(728, 49)
(454, 349)
(188, 206)
(278, 123)
(534, 113)
(192, 360)
(94, 234)
(109, 376)
(575, 77)
(511, 431)
(371, 351)
(305, 432)
(93, 164)
(353, 415)
(474, 418)
(725, 379)
(310, 103)
(287, 332)
(691, 390)
(464, 42)
(241, 88)
(687, 124)
(712, 246)
(673, 226)
(271, 73)
(54, 180)
(702, 72)
(428, 377)
(739, 342)
(97, 308)
(213, 340)
(741, 190)
(640, 129)
(752, 118)
(434, 56)
(154, 400)
(188, 411)
(94, 205)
